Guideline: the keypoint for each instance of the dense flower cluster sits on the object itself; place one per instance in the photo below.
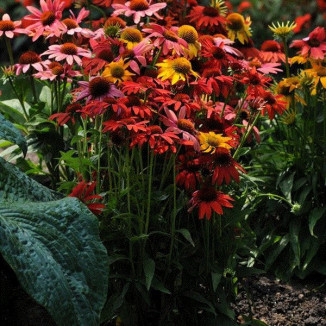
(194, 90)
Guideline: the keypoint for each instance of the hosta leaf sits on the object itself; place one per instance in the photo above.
(15, 185)
(56, 253)
(9, 132)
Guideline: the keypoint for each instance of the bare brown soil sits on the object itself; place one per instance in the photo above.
(300, 303)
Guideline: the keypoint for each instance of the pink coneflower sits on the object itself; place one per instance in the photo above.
(57, 71)
(264, 68)
(67, 51)
(314, 45)
(72, 24)
(8, 27)
(225, 43)
(136, 56)
(167, 39)
(30, 60)
(181, 125)
(47, 20)
(138, 9)
(98, 88)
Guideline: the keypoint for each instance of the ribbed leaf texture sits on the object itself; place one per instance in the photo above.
(54, 248)
(9, 132)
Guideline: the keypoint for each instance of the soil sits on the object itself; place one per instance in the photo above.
(300, 303)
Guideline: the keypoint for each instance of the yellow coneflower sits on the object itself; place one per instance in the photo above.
(298, 59)
(288, 117)
(318, 76)
(177, 69)
(131, 36)
(190, 35)
(287, 88)
(210, 142)
(117, 72)
(281, 29)
(238, 27)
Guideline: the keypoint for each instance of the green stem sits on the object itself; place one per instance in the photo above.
(33, 87)
(20, 98)
(99, 10)
(99, 152)
(149, 194)
(245, 136)
(9, 49)
(286, 51)
(174, 215)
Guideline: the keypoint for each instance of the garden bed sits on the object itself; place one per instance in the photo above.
(278, 304)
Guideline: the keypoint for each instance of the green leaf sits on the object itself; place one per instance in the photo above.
(159, 286)
(9, 132)
(294, 240)
(276, 252)
(216, 278)
(286, 186)
(187, 236)
(149, 270)
(15, 185)
(14, 109)
(314, 217)
(55, 250)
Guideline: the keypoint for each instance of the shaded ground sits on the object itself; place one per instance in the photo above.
(280, 304)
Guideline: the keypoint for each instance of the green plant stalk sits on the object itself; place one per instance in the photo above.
(245, 136)
(9, 50)
(99, 152)
(127, 165)
(20, 98)
(149, 194)
(286, 52)
(153, 63)
(33, 87)
(97, 8)
(174, 214)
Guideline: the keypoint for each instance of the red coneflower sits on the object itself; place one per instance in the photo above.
(313, 46)
(225, 167)
(271, 51)
(208, 199)
(30, 60)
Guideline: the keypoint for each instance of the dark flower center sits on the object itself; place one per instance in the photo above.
(70, 23)
(29, 57)
(223, 159)
(47, 18)
(270, 46)
(313, 42)
(218, 53)
(133, 101)
(99, 86)
(69, 49)
(105, 54)
(181, 65)
(171, 36)
(56, 68)
(138, 5)
(6, 25)
(211, 12)
(132, 35)
(207, 194)
(186, 125)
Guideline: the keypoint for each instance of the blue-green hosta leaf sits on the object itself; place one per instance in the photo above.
(55, 250)
(9, 132)
(15, 185)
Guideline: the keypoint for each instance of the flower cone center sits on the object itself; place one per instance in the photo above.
(99, 86)
(138, 5)
(171, 36)
(6, 25)
(235, 22)
(70, 23)
(29, 57)
(181, 65)
(188, 33)
(131, 35)
(69, 49)
(207, 194)
(211, 12)
(185, 125)
(47, 18)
